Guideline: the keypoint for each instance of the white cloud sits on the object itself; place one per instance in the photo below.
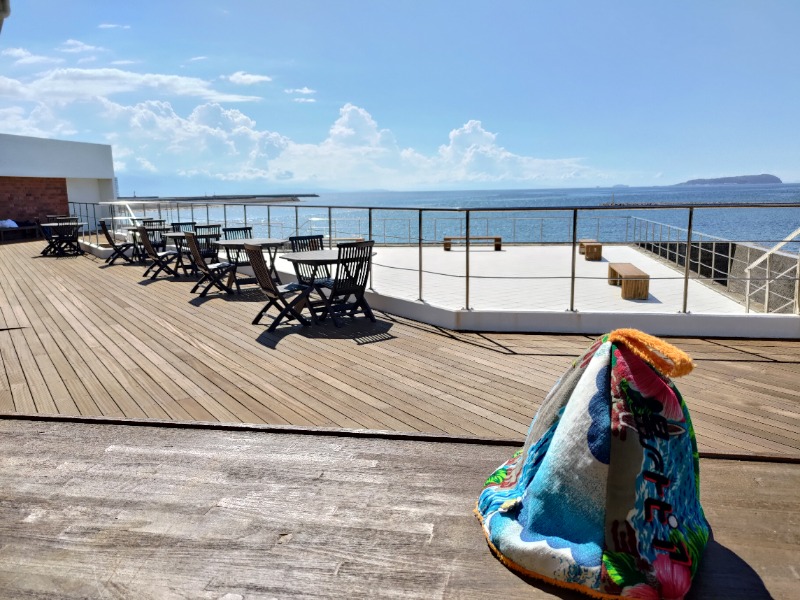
(242, 78)
(87, 59)
(24, 57)
(146, 165)
(75, 46)
(112, 26)
(39, 122)
(302, 90)
(196, 58)
(66, 85)
(122, 63)
(304, 100)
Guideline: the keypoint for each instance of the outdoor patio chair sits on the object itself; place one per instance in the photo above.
(119, 249)
(161, 258)
(182, 226)
(156, 231)
(236, 255)
(347, 287)
(306, 243)
(289, 299)
(206, 236)
(212, 272)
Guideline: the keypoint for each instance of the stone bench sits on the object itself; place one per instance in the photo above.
(498, 240)
(635, 282)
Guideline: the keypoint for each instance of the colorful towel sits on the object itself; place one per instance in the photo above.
(604, 497)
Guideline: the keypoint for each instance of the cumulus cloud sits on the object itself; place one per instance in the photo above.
(75, 47)
(304, 100)
(242, 78)
(66, 85)
(146, 165)
(38, 122)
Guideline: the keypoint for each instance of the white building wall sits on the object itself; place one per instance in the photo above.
(22, 156)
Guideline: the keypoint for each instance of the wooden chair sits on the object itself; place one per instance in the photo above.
(182, 226)
(347, 288)
(305, 273)
(289, 299)
(211, 272)
(119, 249)
(161, 258)
(156, 231)
(206, 236)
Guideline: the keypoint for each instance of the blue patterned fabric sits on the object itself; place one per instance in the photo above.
(604, 496)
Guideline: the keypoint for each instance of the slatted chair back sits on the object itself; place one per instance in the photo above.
(352, 268)
(147, 244)
(109, 238)
(307, 243)
(255, 256)
(237, 255)
(148, 222)
(206, 236)
(194, 247)
(156, 234)
(182, 226)
(66, 219)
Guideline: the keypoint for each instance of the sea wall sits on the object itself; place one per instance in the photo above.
(724, 263)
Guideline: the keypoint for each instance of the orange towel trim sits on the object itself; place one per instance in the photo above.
(665, 358)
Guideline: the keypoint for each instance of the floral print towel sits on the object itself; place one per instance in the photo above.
(604, 496)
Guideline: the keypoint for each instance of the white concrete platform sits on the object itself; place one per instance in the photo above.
(527, 288)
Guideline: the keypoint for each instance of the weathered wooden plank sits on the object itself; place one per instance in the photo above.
(134, 512)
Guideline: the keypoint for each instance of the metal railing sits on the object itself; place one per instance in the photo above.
(698, 256)
(769, 278)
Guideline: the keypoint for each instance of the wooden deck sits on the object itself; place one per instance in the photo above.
(80, 338)
(144, 512)
(214, 503)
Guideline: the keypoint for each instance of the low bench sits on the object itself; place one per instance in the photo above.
(582, 244)
(635, 282)
(498, 240)
(593, 251)
(23, 232)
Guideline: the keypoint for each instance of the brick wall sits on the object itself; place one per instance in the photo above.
(26, 198)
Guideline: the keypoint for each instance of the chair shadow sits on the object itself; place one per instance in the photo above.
(723, 574)
(361, 330)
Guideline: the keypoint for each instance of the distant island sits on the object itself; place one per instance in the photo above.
(763, 178)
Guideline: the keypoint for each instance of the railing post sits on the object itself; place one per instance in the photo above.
(296, 221)
(369, 221)
(766, 284)
(225, 215)
(244, 208)
(419, 236)
(572, 274)
(330, 227)
(269, 222)
(688, 260)
(466, 302)
(797, 287)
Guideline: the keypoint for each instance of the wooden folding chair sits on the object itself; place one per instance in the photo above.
(211, 272)
(161, 258)
(289, 299)
(347, 288)
(119, 248)
(305, 273)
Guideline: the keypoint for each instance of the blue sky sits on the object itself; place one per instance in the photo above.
(252, 96)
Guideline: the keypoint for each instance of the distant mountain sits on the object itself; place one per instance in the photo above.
(763, 178)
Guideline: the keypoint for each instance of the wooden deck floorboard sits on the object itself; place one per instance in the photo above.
(135, 512)
(80, 338)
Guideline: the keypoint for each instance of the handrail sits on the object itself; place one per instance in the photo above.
(766, 257)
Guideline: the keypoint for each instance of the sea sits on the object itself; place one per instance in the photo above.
(538, 215)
